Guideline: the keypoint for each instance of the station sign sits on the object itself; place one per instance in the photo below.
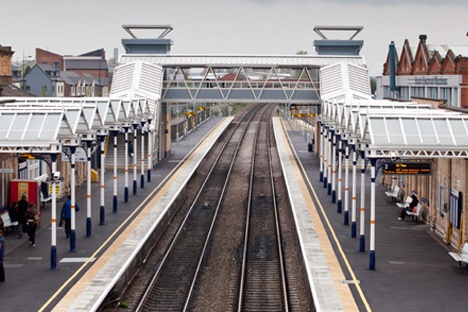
(409, 168)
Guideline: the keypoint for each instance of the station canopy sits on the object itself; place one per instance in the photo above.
(43, 125)
(388, 129)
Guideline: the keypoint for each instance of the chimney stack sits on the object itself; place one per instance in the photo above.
(5, 65)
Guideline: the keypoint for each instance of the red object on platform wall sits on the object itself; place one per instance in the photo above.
(30, 188)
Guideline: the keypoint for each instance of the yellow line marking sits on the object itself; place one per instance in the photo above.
(118, 230)
(332, 231)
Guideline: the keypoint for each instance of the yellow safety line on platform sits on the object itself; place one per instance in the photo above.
(333, 234)
(105, 257)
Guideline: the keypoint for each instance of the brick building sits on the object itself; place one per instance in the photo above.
(7, 87)
(436, 71)
(57, 75)
(436, 74)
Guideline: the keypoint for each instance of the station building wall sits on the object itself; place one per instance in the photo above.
(438, 195)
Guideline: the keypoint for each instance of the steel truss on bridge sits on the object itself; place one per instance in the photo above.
(238, 79)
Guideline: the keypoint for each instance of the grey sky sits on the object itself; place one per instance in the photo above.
(230, 26)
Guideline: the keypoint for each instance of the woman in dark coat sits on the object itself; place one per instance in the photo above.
(31, 221)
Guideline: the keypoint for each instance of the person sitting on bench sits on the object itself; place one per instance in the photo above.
(412, 205)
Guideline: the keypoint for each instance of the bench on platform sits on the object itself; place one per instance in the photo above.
(405, 203)
(393, 193)
(8, 225)
(415, 214)
(461, 257)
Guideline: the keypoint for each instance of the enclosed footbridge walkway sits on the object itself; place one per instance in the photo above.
(379, 132)
(241, 78)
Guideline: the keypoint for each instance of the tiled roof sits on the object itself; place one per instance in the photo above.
(84, 63)
(12, 91)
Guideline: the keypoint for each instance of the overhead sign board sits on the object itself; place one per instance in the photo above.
(409, 168)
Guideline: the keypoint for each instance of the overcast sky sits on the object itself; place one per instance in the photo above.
(231, 26)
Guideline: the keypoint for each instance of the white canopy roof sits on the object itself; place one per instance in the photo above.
(399, 129)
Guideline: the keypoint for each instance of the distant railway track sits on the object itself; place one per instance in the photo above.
(233, 248)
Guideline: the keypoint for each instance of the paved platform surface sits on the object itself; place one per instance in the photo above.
(413, 269)
(30, 283)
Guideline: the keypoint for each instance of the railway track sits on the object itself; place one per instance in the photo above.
(227, 252)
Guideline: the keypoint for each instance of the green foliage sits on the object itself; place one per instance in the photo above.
(373, 84)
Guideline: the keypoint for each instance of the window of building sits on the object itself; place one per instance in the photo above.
(404, 93)
(455, 97)
(455, 208)
(386, 92)
(446, 94)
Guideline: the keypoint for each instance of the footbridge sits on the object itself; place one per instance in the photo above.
(241, 78)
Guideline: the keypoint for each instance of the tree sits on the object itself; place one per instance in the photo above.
(373, 85)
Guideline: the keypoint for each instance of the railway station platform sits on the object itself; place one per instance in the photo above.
(31, 285)
(413, 269)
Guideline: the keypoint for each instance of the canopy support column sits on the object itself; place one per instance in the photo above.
(115, 132)
(102, 134)
(372, 216)
(135, 149)
(142, 161)
(73, 201)
(353, 198)
(339, 207)
(362, 225)
(346, 186)
(126, 128)
(333, 156)
(53, 247)
(321, 140)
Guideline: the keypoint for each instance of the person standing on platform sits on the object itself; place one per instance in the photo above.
(22, 206)
(32, 223)
(66, 215)
(2, 255)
